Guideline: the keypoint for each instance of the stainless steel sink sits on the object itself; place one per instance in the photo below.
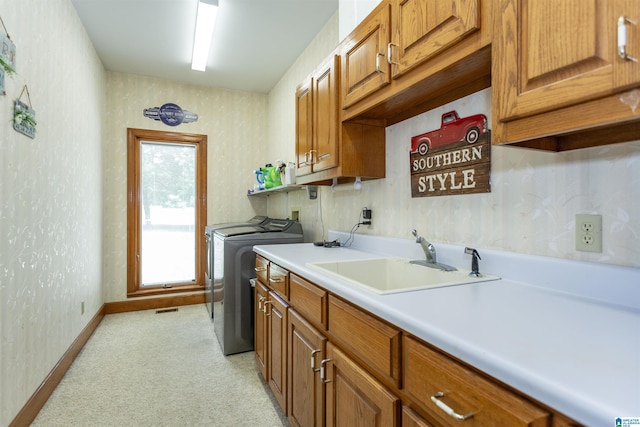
(393, 275)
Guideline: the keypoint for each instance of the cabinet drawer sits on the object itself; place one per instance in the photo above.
(436, 382)
(374, 342)
(262, 269)
(279, 280)
(308, 299)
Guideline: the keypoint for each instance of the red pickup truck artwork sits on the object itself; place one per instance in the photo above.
(452, 129)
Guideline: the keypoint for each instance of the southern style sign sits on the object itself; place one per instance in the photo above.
(455, 159)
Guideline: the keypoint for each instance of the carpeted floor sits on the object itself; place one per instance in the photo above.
(148, 369)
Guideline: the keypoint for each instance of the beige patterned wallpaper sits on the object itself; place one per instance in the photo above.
(531, 209)
(50, 196)
(236, 125)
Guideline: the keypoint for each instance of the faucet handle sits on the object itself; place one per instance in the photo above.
(475, 269)
(414, 232)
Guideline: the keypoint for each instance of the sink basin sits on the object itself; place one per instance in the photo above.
(393, 275)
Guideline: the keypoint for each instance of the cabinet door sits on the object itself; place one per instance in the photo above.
(424, 28)
(277, 348)
(260, 328)
(549, 54)
(355, 398)
(365, 68)
(304, 129)
(306, 390)
(325, 116)
(411, 419)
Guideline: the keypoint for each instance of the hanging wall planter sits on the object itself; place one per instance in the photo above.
(24, 116)
(7, 57)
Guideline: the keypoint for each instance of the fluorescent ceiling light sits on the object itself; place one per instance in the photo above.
(205, 22)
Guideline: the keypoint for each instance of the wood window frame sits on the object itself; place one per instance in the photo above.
(134, 139)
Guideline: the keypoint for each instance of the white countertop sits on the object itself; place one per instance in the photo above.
(568, 335)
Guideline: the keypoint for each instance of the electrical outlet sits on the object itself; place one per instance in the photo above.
(295, 214)
(589, 233)
(366, 216)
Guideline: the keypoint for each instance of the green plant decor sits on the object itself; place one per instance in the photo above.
(8, 69)
(22, 116)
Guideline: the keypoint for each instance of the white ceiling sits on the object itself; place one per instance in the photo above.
(254, 41)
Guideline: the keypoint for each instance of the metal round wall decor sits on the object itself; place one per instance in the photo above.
(170, 114)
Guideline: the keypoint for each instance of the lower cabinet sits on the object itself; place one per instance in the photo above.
(354, 397)
(330, 363)
(307, 349)
(276, 313)
(260, 328)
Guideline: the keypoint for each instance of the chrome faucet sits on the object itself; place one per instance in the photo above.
(428, 248)
(430, 254)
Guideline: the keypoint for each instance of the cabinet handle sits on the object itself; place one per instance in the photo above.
(260, 300)
(276, 279)
(264, 309)
(310, 161)
(389, 50)
(260, 269)
(378, 69)
(447, 409)
(313, 360)
(322, 371)
(622, 38)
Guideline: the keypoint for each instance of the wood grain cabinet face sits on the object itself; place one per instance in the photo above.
(304, 129)
(279, 280)
(374, 342)
(317, 120)
(260, 328)
(354, 397)
(552, 58)
(425, 28)
(365, 68)
(434, 381)
(308, 299)
(306, 350)
(277, 348)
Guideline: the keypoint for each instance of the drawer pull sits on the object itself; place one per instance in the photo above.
(313, 360)
(447, 409)
(278, 279)
(323, 372)
(260, 269)
(622, 38)
(264, 310)
(378, 69)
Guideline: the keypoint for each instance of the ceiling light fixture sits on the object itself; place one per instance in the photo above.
(205, 21)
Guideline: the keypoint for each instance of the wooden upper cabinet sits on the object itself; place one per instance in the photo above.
(304, 128)
(317, 120)
(325, 115)
(556, 63)
(365, 68)
(424, 28)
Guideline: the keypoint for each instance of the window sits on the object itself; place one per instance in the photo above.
(166, 212)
